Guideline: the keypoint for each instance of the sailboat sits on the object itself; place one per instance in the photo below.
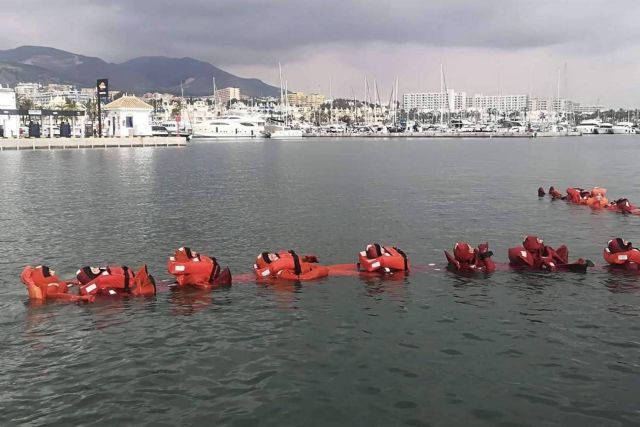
(282, 130)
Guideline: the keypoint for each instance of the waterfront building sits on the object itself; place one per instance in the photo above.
(9, 119)
(27, 89)
(436, 101)
(302, 100)
(587, 109)
(499, 103)
(128, 116)
(227, 94)
(54, 95)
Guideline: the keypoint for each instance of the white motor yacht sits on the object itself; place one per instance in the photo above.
(275, 131)
(624, 128)
(230, 126)
(605, 128)
(588, 126)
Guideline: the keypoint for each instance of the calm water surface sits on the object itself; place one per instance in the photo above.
(435, 349)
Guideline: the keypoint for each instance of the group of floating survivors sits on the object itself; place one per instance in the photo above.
(194, 270)
(596, 198)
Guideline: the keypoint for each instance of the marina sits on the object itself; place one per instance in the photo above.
(320, 213)
(407, 347)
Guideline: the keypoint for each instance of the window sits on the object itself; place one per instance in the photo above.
(129, 121)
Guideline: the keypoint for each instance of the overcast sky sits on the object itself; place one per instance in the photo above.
(485, 46)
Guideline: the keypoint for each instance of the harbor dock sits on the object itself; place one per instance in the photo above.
(445, 135)
(70, 143)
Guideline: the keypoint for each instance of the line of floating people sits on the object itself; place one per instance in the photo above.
(596, 198)
(191, 269)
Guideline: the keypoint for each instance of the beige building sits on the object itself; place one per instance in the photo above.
(299, 99)
(227, 94)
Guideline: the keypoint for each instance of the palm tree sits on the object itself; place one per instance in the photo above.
(25, 103)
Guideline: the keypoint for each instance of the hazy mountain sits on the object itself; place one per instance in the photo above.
(144, 74)
(15, 72)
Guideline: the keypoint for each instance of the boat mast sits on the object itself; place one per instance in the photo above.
(441, 95)
(395, 105)
(215, 96)
(364, 102)
(558, 99)
(355, 105)
(331, 105)
(281, 86)
(375, 102)
(286, 103)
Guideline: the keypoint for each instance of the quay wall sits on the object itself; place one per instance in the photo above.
(69, 143)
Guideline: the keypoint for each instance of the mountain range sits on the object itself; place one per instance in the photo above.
(138, 75)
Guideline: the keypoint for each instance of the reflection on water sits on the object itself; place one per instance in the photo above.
(426, 349)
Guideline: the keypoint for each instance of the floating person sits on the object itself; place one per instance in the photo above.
(383, 259)
(541, 192)
(597, 198)
(287, 265)
(198, 271)
(555, 194)
(115, 281)
(623, 206)
(466, 259)
(43, 284)
(578, 195)
(534, 254)
(621, 254)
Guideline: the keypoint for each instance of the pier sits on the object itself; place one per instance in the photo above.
(445, 135)
(70, 143)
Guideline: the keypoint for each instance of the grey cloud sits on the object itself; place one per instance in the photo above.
(487, 43)
(259, 31)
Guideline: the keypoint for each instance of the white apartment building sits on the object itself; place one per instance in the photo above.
(436, 101)
(587, 109)
(501, 103)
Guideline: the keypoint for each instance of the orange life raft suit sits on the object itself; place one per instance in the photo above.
(43, 284)
(196, 270)
(597, 198)
(621, 253)
(384, 259)
(577, 195)
(115, 281)
(467, 259)
(535, 254)
(287, 265)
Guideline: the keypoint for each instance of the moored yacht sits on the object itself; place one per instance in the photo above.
(230, 126)
(605, 128)
(624, 128)
(588, 126)
(279, 131)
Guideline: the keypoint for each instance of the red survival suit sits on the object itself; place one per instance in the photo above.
(383, 259)
(287, 265)
(621, 253)
(467, 259)
(199, 271)
(623, 206)
(43, 284)
(535, 254)
(115, 281)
